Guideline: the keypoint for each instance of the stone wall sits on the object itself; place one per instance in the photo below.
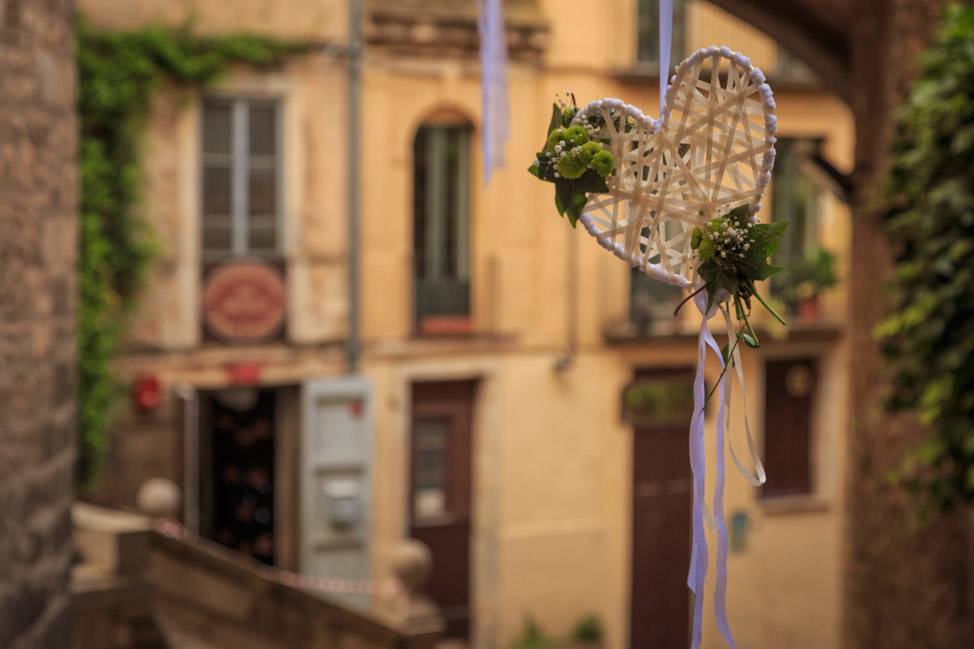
(38, 217)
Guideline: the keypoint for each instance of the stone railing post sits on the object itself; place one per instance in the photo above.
(159, 498)
(415, 613)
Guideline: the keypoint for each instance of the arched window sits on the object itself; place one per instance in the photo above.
(441, 226)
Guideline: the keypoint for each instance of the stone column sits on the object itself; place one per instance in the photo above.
(907, 581)
(38, 239)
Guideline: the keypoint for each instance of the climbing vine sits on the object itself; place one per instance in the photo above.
(118, 73)
(929, 336)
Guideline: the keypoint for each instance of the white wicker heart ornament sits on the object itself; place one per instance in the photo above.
(711, 151)
(677, 198)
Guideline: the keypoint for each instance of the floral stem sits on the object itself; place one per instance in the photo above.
(687, 299)
(727, 364)
(770, 310)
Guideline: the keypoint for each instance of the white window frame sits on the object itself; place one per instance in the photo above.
(240, 165)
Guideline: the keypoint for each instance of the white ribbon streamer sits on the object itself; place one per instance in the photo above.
(757, 477)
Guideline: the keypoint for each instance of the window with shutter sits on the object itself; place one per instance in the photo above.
(441, 228)
(790, 389)
(796, 198)
(240, 184)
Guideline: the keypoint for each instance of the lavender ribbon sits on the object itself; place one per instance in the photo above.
(697, 574)
(698, 466)
(493, 65)
(665, 47)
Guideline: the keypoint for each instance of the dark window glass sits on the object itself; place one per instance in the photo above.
(652, 302)
(263, 192)
(216, 127)
(217, 234)
(430, 466)
(263, 129)
(647, 35)
(441, 221)
(796, 199)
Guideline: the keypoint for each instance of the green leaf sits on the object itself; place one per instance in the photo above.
(718, 278)
(535, 170)
(590, 182)
(740, 212)
(777, 228)
(767, 236)
(766, 271)
(555, 121)
(575, 206)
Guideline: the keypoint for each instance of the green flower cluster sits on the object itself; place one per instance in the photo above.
(574, 161)
(574, 153)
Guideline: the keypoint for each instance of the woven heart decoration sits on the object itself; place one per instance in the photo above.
(677, 198)
(712, 150)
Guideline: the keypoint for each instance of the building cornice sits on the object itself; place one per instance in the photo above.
(438, 28)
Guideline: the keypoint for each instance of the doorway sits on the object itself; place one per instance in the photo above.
(662, 503)
(440, 493)
(237, 458)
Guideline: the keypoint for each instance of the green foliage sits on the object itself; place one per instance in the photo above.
(655, 400)
(808, 277)
(929, 336)
(589, 630)
(533, 636)
(118, 73)
(571, 161)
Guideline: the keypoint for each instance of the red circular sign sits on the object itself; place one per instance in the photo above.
(244, 301)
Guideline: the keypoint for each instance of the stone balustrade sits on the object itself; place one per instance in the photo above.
(141, 586)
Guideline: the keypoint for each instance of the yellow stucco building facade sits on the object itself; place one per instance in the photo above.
(518, 338)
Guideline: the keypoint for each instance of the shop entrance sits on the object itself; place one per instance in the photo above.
(237, 454)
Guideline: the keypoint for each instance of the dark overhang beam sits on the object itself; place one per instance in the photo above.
(812, 30)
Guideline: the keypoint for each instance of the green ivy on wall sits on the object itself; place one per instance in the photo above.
(118, 73)
(929, 337)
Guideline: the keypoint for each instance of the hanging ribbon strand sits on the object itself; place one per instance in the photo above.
(493, 65)
(665, 48)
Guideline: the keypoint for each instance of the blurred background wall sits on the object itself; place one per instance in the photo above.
(38, 222)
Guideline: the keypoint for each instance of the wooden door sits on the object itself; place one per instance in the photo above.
(662, 501)
(440, 493)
